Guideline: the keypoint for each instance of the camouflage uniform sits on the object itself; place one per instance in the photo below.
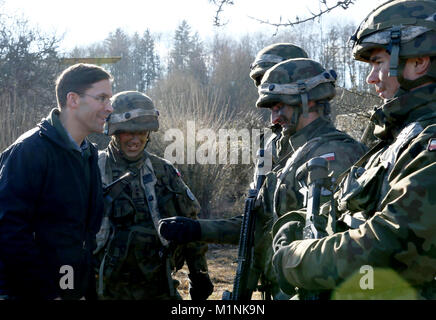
(319, 137)
(136, 263)
(280, 192)
(385, 208)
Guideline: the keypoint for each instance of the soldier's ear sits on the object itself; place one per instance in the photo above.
(420, 66)
(423, 64)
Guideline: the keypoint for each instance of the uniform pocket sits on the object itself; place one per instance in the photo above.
(360, 190)
(123, 208)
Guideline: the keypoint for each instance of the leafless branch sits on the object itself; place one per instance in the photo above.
(220, 8)
(325, 8)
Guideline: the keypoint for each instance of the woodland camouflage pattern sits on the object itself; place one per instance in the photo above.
(142, 275)
(290, 72)
(280, 193)
(396, 200)
(134, 265)
(326, 140)
(417, 20)
(271, 55)
(133, 111)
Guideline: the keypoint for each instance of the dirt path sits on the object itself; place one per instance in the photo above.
(222, 263)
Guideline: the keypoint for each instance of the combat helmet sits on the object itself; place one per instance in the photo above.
(133, 111)
(271, 55)
(404, 28)
(295, 82)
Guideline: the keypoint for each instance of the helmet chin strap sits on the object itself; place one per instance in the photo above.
(292, 128)
(302, 89)
(394, 50)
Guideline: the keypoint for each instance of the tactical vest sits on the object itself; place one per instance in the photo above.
(134, 218)
(282, 202)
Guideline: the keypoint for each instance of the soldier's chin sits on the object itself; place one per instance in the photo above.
(132, 154)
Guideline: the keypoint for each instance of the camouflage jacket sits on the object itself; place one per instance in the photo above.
(136, 211)
(319, 139)
(385, 209)
(280, 193)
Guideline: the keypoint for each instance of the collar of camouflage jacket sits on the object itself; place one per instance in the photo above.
(404, 108)
(312, 130)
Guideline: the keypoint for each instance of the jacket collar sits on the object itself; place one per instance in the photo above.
(312, 130)
(57, 136)
(405, 108)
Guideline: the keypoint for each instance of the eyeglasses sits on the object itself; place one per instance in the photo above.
(103, 99)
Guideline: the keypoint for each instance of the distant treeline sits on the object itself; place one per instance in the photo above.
(204, 81)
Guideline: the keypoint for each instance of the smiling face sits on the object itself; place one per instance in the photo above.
(94, 107)
(385, 86)
(132, 143)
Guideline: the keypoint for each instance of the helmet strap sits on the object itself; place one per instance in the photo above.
(394, 50)
(304, 98)
(148, 140)
(294, 120)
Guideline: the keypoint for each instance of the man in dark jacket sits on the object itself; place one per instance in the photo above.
(50, 193)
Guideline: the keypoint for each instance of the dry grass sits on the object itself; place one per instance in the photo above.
(222, 263)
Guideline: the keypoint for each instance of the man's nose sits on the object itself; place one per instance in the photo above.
(372, 77)
(275, 117)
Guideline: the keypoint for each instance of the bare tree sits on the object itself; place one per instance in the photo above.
(325, 7)
(28, 66)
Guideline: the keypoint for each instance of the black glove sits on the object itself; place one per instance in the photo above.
(200, 286)
(180, 229)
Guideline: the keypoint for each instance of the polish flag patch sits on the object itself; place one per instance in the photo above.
(177, 172)
(431, 145)
(331, 156)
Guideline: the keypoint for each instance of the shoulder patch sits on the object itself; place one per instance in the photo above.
(431, 144)
(329, 156)
(190, 194)
(177, 172)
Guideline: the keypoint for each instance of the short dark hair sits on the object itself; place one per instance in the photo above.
(78, 78)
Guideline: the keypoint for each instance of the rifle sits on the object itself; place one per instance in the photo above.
(246, 247)
(315, 171)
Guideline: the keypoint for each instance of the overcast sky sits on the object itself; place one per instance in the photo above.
(86, 21)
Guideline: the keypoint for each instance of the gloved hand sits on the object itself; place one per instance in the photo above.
(288, 233)
(180, 229)
(200, 286)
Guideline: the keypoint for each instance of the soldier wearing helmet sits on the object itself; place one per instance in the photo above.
(382, 215)
(136, 263)
(275, 147)
(309, 133)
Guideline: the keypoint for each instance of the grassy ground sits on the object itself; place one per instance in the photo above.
(222, 263)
